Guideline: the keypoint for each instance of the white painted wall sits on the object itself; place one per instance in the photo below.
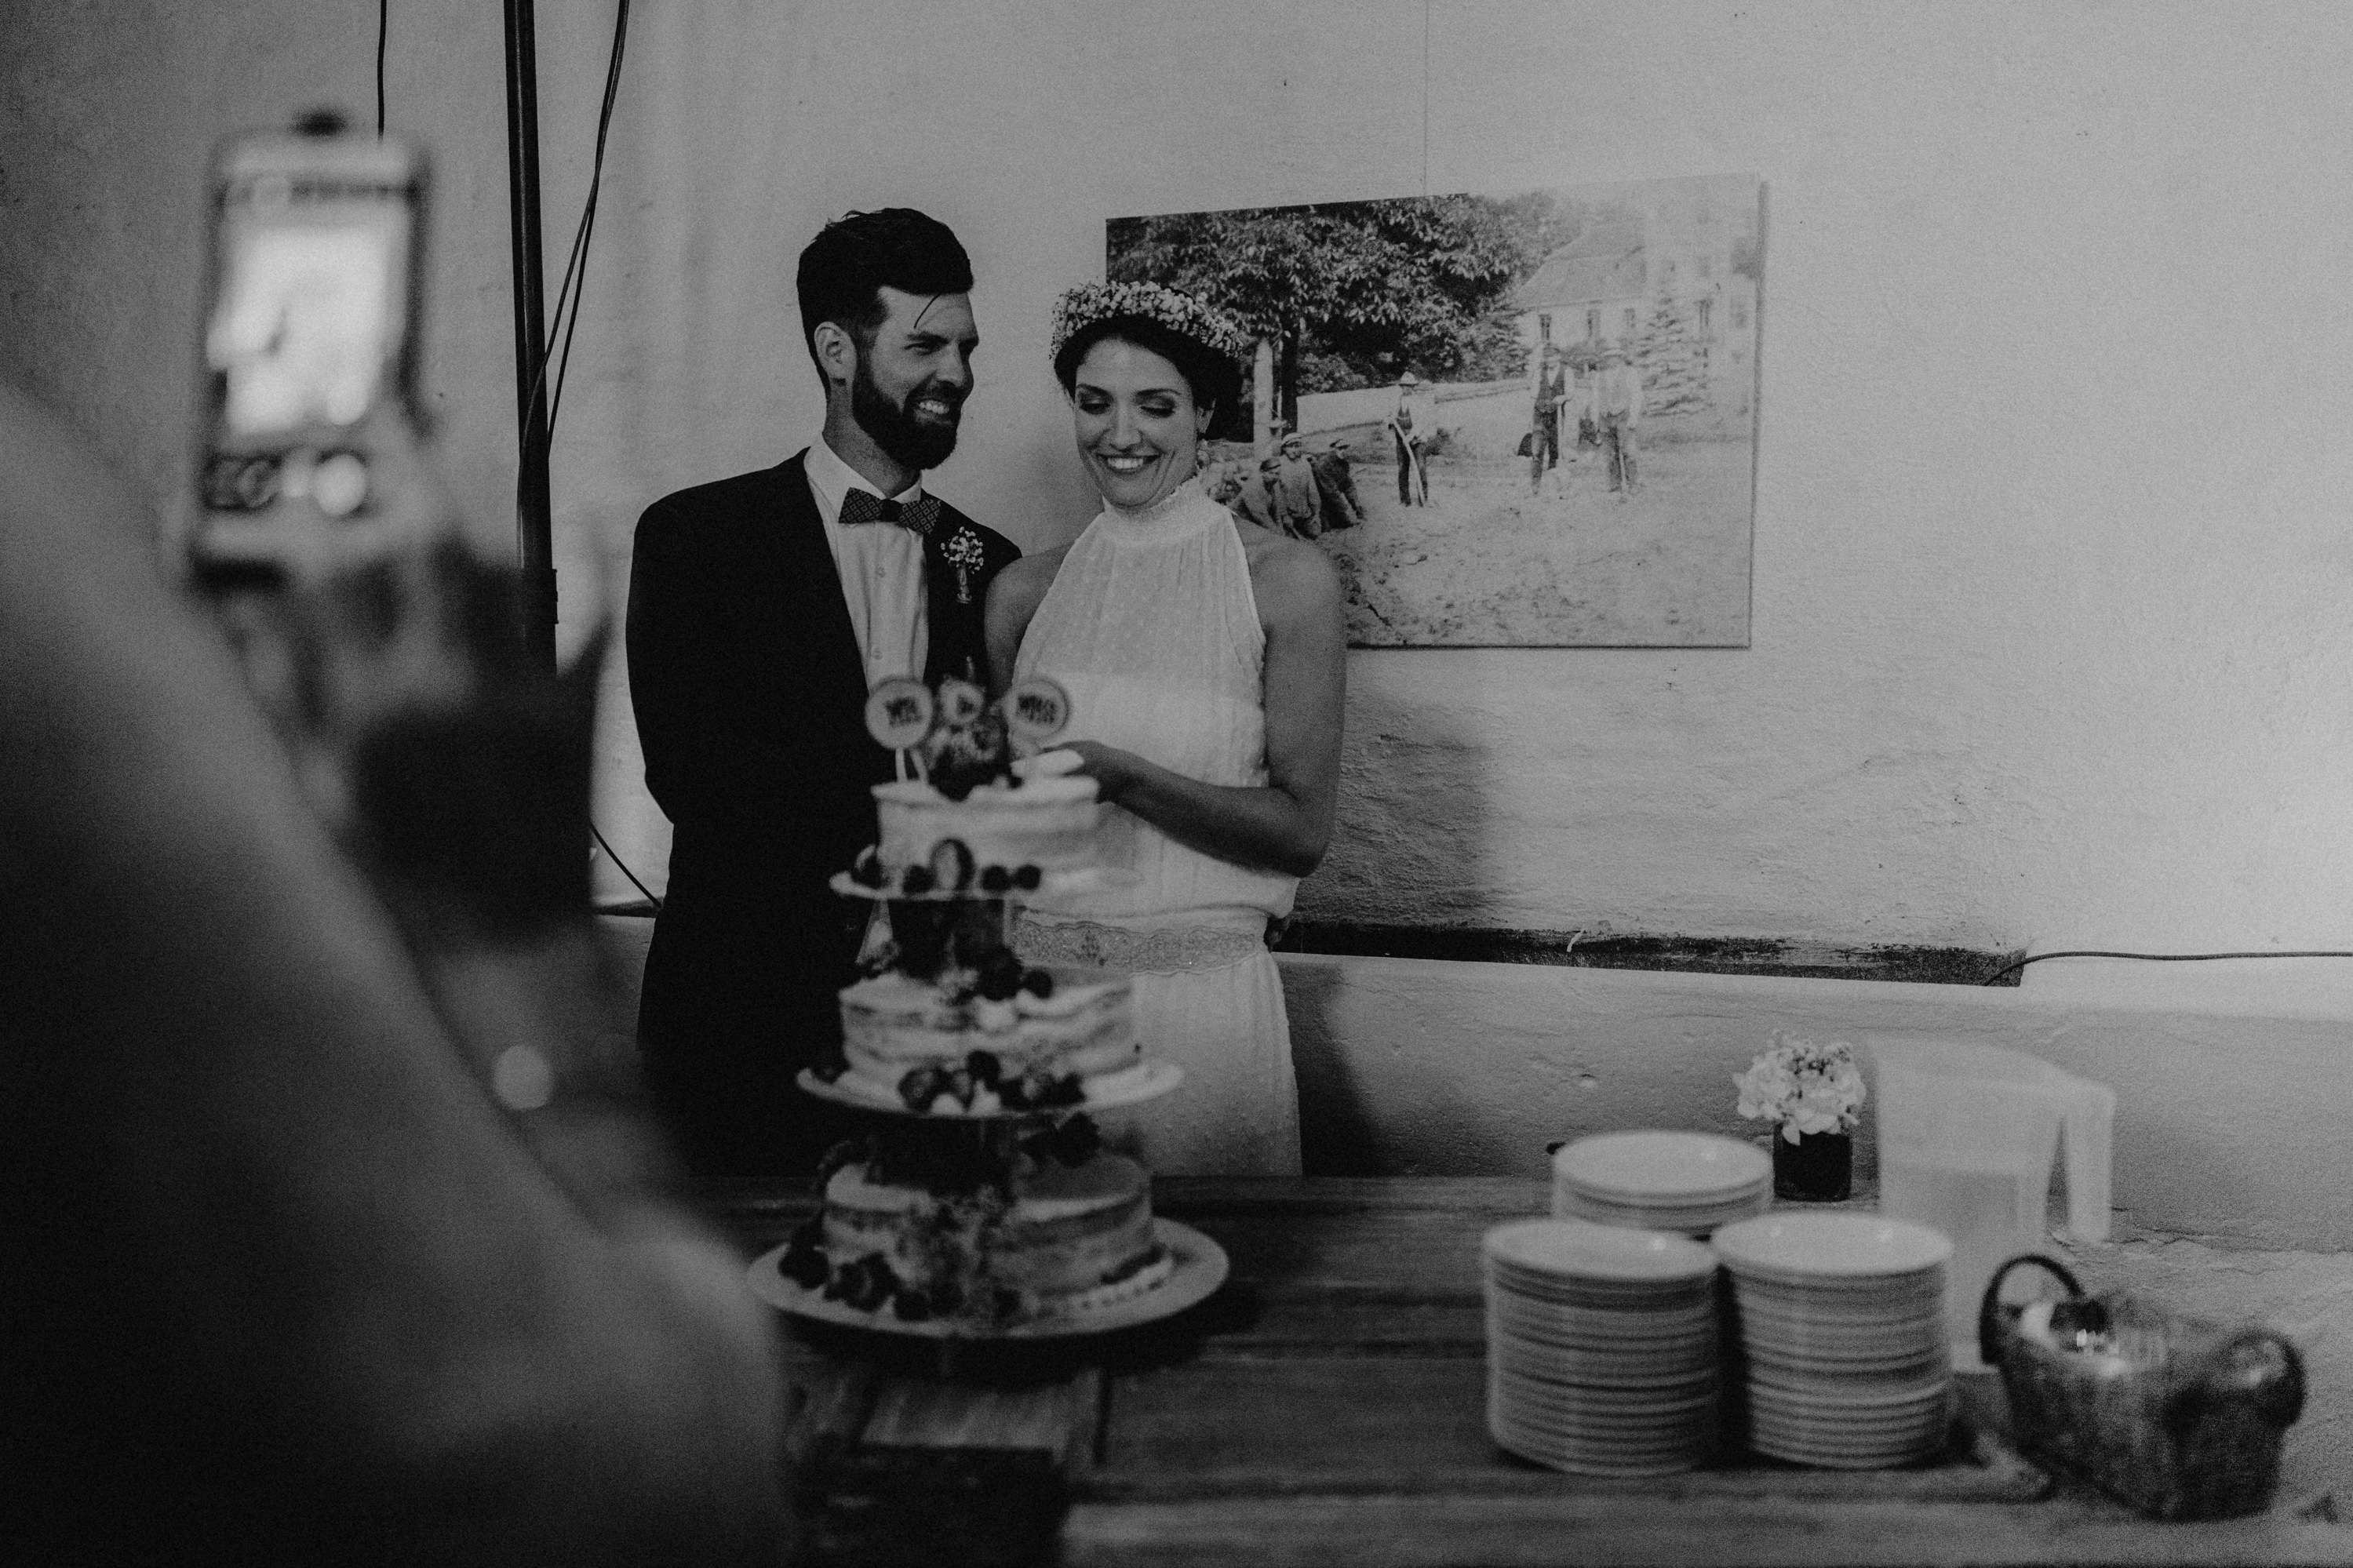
(2051, 550)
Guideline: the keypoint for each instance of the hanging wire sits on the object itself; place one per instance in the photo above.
(575, 266)
(570, 293)
(383, 28)
(2009, 969)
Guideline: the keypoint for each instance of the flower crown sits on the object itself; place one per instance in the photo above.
(1089, 303)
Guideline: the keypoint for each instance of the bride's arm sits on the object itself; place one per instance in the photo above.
(1014, 596)
(1286, 824)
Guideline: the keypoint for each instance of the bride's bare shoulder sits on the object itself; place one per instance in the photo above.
(1015, 593)
(1030, 576)
(1291, 578)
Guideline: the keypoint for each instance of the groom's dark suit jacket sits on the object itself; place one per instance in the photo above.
(750, 695)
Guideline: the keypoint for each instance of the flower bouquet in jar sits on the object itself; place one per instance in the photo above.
(1812, 1094)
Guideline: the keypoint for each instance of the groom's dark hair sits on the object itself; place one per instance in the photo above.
(845, 266)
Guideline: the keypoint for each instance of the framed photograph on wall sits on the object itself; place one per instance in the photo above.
(1531, 418)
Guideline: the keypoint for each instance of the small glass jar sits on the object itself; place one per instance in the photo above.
(1819, 1168)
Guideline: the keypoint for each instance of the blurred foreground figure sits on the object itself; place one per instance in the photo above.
(315, 1250)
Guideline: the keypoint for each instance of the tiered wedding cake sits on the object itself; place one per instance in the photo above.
(988, 1200)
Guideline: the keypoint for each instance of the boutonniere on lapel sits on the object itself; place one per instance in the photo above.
(965, 553)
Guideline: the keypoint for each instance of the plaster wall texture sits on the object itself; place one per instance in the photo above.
(2229, 1124)
(2050, 549)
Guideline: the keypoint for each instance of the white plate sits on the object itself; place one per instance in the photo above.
(1835, 1340)
(1850, 1401)
(1578, 1249)
(1680, 1292)
(1129, 1086)
(1912, 1362)
(1594, 1404)
(1608, 1454)
(1676, 1167)
(1873, 1458)
(1845, 1299)
(1656, 1438)
(1796, 1248)
(1626, 1348)
(1572, 1204)
(1832, 1430)
(1635, 1332)
(1200, 1269)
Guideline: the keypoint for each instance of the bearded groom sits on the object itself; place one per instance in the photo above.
(761, 608)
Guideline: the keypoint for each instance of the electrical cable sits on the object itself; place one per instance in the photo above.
(588, 212)
(2008, 969)
(574, 285)
(383, 28)
(575, 265)
(570, 291)
(624, 864)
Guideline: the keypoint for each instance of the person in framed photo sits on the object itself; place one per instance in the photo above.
(1544, 435)
(1618, 397)
(1337, 486)
(1408, 428)
(1298, 501)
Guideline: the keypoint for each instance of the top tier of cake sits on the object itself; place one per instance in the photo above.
(998, 838)
(980, 820)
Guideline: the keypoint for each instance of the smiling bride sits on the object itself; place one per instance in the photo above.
(1206, 663)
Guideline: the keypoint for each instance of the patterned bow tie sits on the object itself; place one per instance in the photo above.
(916, 516)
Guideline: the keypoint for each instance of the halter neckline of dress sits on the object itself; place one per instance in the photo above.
(1180, 514)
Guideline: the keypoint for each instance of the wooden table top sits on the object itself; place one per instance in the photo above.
(1328, 1406)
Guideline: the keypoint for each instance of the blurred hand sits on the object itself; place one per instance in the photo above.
(1114, 771)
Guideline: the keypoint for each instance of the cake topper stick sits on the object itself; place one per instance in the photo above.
(899, 714)
(1036, 710)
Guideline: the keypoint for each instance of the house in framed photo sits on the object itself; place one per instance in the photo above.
(1674, 284)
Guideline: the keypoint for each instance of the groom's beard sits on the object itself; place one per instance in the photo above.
(917, 442)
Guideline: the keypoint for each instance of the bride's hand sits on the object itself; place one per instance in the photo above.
(1113, 771)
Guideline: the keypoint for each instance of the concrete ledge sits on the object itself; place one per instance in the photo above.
(2228, 1125)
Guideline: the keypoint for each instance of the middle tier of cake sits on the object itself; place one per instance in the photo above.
(920, 1039)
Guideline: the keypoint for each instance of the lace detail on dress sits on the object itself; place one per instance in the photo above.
(1184, 949)
(1159, 510)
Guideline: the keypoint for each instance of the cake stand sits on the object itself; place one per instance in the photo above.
(1199, 1262)
(1056, 884)
(1200, 1268)
(1129, 1086)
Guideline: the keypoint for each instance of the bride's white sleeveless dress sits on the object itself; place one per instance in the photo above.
(1151, 628)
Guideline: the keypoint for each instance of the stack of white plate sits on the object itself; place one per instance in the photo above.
(1601, 1347)
(1841, 1323)
(1685, 1181)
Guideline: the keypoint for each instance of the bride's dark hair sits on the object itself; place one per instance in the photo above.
(1214, 380)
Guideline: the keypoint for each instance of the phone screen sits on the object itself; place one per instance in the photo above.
(306, 341)
(307, 328)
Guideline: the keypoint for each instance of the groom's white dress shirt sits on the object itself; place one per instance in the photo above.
(881, 567)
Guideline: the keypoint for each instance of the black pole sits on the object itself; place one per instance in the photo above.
(536, 550)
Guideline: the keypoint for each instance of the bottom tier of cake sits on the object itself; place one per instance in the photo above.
(1066, 1229)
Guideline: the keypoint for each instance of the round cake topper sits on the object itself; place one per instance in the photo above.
(1036, 708)
(960, 702)
(899, 712)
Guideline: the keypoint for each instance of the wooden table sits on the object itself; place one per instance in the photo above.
(1328, 1407)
